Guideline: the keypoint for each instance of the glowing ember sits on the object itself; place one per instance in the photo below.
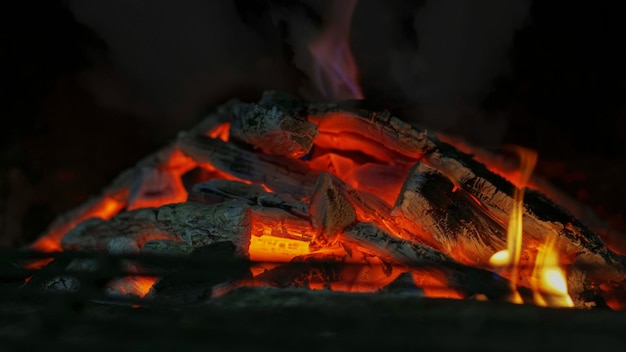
(134, 285)
(104, 209)
(368, 203)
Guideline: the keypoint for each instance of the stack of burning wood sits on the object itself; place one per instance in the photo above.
(360, 200)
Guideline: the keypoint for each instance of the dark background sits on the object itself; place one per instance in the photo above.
(88, 88)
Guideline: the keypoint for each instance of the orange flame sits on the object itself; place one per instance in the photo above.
(547, 280)
(510, 257)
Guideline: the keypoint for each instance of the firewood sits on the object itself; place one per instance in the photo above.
(468, 231)
(193, 223)
(281, 174)
(458, 224)
(577, 244)
(467, 279)
(217, 191)
(384, 136)
(304, 271)
(330, 211)
(272, 130)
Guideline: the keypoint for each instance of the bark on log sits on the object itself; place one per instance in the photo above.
(470, 280)
(576, 243)
(192, 223)
(273, 131)
(217, 191)
(330, 211)
(281, 174)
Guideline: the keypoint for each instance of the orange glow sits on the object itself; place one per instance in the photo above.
(434, 284)
(363, 278)
(141, 241)
(174, 191)
(383, 180)
(347, 132)
(221, 131)
(105, 209)
(136, 285)
(269, 248)
(37, 264)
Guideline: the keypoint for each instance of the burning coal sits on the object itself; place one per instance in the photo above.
(319, 196)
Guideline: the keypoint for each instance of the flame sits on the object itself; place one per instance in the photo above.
(510, 257)
(335, 72)
(549, 282)
(366, 162)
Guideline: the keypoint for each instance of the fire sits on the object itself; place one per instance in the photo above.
(547, 277)
(549, 282)
(310, 216)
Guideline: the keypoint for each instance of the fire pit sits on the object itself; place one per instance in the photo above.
(282, 209)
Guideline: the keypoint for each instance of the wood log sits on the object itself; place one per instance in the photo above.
(272, 130)
(217, 191)
(542, 217)
(281, 174)
(469, 280)
(465, 229)
(330, 211)
(192, 223)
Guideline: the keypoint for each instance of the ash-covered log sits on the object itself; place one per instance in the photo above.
(337, 190)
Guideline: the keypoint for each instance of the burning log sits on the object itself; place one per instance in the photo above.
(470, 280)
(330, 212)
(467, 215)
(280, 174)
(217, 191)
(287, 181)
(273, 131)
(192, 223)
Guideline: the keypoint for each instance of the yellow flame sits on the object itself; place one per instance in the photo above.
(549, 281)
(510, 257)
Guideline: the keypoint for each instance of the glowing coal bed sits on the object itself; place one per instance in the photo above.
(321, 197)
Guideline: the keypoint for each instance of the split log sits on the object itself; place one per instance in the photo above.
(217, 191)
(330, 211)
(466, 279)
(542, 217)
(379, 134)
(457, 223)
(304, 271)
(468, 231)
(272, 130)
(281, 174)
(192, 223)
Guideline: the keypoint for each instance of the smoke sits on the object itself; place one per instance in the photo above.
(461, 48)
(167, 60)
(437, 58)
